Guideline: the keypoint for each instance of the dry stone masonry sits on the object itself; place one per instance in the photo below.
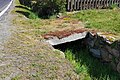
(106, 48)
(102, 45)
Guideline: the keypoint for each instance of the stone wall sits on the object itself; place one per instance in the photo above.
(106, 49)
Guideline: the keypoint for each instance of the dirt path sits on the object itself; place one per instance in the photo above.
(25, 58)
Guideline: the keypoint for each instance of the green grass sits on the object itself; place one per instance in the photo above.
(104, 19)
(90, 68)
(85, 65)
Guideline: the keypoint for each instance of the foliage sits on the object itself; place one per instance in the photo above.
(32, 15)
(49, 7)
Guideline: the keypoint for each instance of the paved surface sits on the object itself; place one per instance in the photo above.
(3, 4)
(5, 24)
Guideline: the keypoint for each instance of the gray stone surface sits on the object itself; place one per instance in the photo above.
(100, 46)
(118, 67)
(115, 53)
(95, 52)
(73, 37)
(105, 55)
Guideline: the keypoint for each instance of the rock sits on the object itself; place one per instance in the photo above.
(118, 67)
(95, 52)
(118, 44)
(115, 53)
(114, 66)
(109, 49)
(97, 42)
(90, 35)
(105, 55)
(90, 42)
(110, 56)
(117, 60)
(59, 15)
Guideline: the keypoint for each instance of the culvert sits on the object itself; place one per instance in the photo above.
(101, 45)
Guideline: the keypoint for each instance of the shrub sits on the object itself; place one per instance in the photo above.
(47, 8)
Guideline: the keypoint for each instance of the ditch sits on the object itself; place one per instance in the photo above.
(85, 65)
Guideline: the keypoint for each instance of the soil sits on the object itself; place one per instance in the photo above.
(66, 33)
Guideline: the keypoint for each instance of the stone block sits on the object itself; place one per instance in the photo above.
(114, 66)
(95, 52)
(115, 53)
(105, 55)
(118, 67)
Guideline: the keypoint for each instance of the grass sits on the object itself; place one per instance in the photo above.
(90, 68)
(24, 10)
(39, 60)
(85, 65)
(104, 19)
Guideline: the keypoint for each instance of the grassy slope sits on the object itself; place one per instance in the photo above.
(106, 20)
(34, 58)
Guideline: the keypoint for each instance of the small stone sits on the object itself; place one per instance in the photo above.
(115, 53)
(118, 67)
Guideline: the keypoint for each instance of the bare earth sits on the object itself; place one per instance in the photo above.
(23, 57)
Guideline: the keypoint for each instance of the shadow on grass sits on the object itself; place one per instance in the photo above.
(93, 67)
(23, 7)
(24, 13)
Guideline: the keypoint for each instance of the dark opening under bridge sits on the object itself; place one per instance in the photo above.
(90, 4)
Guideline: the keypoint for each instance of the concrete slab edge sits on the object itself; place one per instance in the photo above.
(73, 37)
